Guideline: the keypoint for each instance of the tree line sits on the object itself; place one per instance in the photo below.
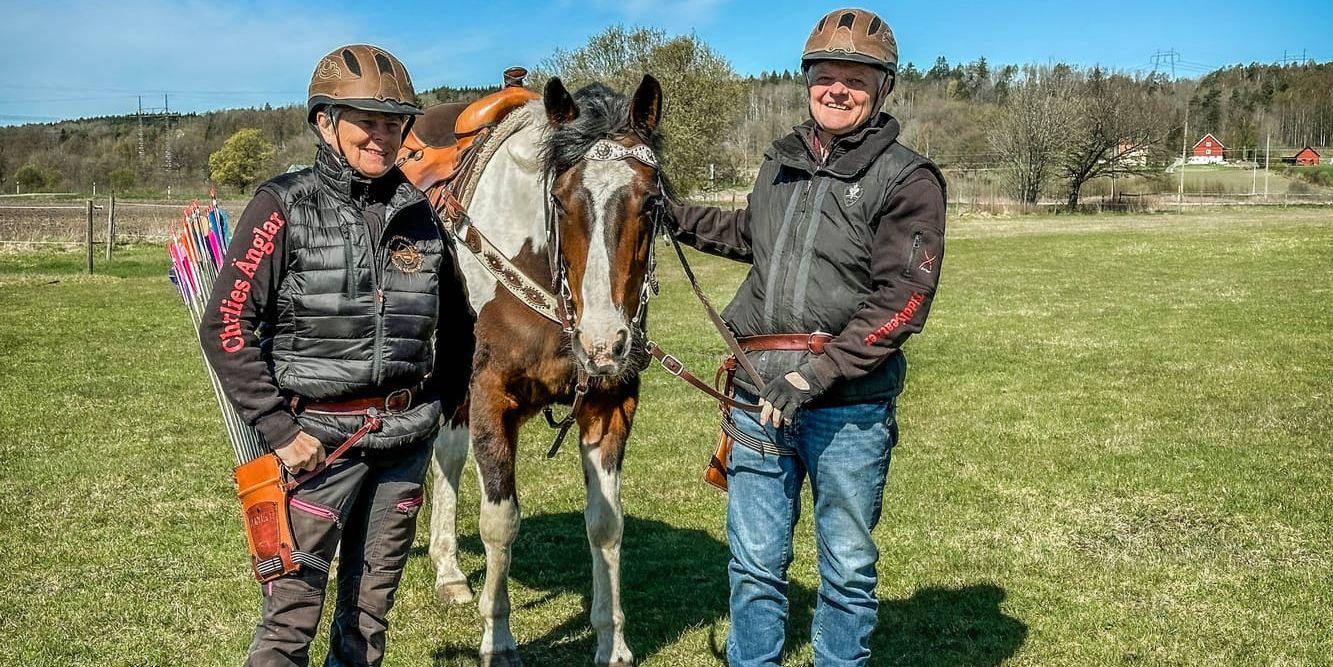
(1042, 130)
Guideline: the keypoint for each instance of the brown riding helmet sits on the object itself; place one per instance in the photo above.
(362, 77)
(854, 35)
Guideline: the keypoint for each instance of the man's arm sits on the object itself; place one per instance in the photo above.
(713, 230)
(243, 298)
(907, 252)
(455, 338)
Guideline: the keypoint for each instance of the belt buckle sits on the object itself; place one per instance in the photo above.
(810, 341)
(397, 401)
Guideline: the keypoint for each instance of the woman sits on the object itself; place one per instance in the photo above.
(340, 304)
(845, 232)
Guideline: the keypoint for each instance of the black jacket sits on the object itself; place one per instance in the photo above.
(338, 287)
(851, 247)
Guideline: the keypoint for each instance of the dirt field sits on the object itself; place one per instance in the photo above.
(43, 220)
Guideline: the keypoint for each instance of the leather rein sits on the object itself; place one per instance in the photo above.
(558, 307)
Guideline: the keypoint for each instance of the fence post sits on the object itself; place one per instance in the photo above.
(89, 237)
(110, 226)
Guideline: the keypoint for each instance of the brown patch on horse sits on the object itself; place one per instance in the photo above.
(606, 421)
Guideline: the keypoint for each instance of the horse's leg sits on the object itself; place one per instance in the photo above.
(494, 438)
(447, 464)
(604, 426)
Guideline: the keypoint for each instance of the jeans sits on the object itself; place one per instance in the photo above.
(844, 449)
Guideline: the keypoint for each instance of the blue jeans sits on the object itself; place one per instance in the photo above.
(845, 451)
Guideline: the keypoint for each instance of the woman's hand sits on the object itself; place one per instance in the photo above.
(303, 452)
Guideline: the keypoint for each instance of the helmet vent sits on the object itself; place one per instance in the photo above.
(352, 64)
(383, 64)
(846, 20)
(874, 26)
(821, 24)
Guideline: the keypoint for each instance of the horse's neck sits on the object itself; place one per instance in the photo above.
(509, 204)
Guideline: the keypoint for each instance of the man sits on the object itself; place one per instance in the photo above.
(845, 234)
(340, 304)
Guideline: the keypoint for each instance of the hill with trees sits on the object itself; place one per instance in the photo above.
(1028, 131)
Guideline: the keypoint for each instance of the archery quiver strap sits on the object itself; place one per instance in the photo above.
(268, 527)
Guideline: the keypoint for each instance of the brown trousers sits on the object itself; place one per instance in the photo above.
(367, 504)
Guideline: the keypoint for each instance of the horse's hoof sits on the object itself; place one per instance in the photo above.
(457, 592)
(501, 659)
(618, 663)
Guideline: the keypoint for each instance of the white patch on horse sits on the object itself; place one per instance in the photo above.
(604, 519)
(498, 527)
(600, 320)
(506, 207)
(450, 452)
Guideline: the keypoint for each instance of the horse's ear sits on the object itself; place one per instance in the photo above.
(560, 106)
(646, 109)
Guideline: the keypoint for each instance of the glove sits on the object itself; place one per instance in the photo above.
(783, 396)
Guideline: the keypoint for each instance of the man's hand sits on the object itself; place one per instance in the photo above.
(782, 397)
(304, 452)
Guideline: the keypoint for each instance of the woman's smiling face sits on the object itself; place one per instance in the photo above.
(368, 140)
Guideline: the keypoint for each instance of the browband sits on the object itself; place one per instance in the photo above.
(606, 150)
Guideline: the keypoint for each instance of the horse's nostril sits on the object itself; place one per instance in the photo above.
(622, 341)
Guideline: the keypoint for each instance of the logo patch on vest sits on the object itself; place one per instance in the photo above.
(404, 255)
(853, 193)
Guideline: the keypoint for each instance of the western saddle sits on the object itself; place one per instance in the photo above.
(443, 140)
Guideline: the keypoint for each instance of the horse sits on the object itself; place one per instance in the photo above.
(570, 199)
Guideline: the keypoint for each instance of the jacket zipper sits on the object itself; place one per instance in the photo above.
(377, 365)
(350, 287)
(911, 255)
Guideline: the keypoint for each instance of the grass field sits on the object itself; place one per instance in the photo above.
(1116, 451)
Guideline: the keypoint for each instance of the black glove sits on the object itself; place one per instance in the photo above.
(786, 397)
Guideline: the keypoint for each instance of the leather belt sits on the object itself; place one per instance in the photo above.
(814, 343)
(394, 402)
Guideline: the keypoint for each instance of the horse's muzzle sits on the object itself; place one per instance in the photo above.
(602, 355)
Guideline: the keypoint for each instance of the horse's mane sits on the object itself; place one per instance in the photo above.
(603, 113)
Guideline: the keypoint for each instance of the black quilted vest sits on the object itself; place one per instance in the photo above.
(356, 316)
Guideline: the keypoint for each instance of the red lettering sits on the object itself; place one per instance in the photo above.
(261, 246)
(899, 318)
(245, 267)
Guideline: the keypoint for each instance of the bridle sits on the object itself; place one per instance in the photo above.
(604, 150)
(558, 306)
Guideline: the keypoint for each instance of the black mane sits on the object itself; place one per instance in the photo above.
(603, 114)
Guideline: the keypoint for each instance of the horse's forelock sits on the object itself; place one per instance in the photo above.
(603, 113)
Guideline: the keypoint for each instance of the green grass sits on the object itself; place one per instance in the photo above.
(1116, 450)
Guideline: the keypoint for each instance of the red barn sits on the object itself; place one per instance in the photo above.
(1209, 149)
(1307, 157)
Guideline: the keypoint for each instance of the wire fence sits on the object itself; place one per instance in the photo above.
(38, 223)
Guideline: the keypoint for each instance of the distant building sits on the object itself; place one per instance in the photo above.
(1132, 156)
(1307, 157)
(1208, 151)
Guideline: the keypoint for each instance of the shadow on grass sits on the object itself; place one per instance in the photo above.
(674, 579)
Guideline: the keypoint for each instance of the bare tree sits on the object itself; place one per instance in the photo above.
(1032, 129)
(1117, 119)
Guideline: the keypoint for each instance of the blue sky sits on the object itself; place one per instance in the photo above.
(72, 59)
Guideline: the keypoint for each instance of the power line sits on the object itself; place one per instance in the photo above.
(1170, 57)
